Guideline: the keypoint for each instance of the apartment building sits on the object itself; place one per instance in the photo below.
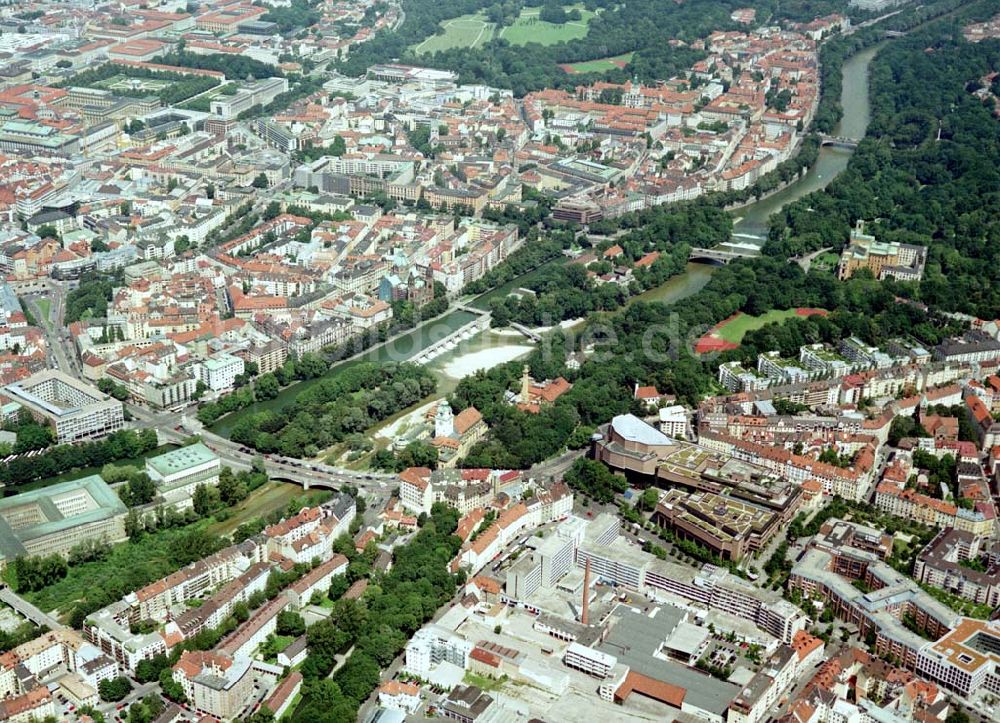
(879, 604)
(308, 534)
(433, 644)
(415, 490)
(219, 372)
(940, 564)
(214, 683)
(974, 346)
(218, 606)
(316, 580)
(763, 692)
(243, 641)
(36, 704)
(154, 600)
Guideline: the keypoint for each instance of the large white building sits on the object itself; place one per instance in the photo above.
(51, 520)
(432, 645)
(589, 660)
(964, 660)
(219, 373)
(74, 410)
(178, 473)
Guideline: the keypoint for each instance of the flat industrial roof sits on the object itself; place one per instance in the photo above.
(633, 637)
(184, 458)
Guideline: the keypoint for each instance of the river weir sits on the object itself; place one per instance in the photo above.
(457, 343)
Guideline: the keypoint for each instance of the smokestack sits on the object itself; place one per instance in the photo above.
(584, 616)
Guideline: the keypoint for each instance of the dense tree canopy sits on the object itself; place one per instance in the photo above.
(927, 173)
(326, 413)
(379, 624)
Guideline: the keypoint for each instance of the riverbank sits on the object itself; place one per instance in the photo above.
(402, 347)
(753, 223)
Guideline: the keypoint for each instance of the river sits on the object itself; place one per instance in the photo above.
(750, 222)
(447, 367)
(492, 347)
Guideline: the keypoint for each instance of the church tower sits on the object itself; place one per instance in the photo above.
(525, 386)
(444, 420)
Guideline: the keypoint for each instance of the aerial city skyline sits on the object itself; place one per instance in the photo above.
(533, 360)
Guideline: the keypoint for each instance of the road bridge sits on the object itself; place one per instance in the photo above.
(839, 141)
(724, 253)
(28, 610)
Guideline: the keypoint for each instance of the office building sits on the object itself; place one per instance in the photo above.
(74, 410)
(178, 472)
(51, 520)
(729, 527)
(966, 659)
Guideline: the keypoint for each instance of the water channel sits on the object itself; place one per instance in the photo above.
(495, 347)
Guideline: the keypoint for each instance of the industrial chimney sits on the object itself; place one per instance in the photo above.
(584, 616)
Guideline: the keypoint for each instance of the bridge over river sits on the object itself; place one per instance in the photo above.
(724, 253)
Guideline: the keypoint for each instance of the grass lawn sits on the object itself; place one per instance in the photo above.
(736, 329)
(44, 305)
(203, 102)
(466, 31)
(529, 29)
(123, 82)
(472, 31)
(262, 501)
(827, 260)
(280, 643)
(484, 683)
(600, 65)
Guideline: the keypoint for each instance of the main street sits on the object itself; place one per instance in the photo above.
(176, 427)
(62, 356)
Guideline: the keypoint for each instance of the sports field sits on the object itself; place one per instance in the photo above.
(729, 333)
(600, 65)
(472, 31)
